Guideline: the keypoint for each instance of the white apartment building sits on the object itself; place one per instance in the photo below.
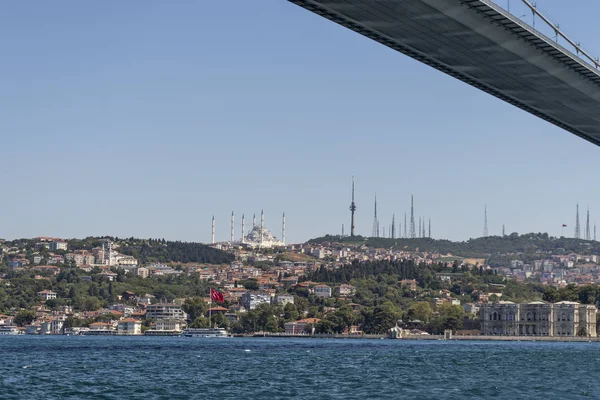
(323, 291)
(47, 294)
(165, 311)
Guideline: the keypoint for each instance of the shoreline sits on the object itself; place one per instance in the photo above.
(481, 338)
(439, 337)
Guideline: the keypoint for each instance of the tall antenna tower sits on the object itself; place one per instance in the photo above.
(588, 236)
(232, 228)
(405, 235)
(412, 217)
(213, 229)
(342, 229)
(352, 210)
(503, 231)
(383, 231)
(577, 230)
(283, 229)
(375, 221)
(393, 226)
(485, 226)
(419, 235)
(429, 228)
(594, 232)
(423, 235)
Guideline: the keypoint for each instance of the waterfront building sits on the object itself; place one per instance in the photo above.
(299, 327)
(57, 324)
(166, 327)
(565, 318)
(100, 328)
(129, 326)
(175, 325)
(165, 311)
(32, 329)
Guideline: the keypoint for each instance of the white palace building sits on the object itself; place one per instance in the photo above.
(565, 318)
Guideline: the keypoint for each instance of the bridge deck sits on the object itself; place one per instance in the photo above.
(481, 44)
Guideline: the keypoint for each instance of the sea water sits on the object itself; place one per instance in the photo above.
(73, 367)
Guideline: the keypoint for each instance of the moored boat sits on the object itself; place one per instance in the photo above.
(205, 332)
(10, 330)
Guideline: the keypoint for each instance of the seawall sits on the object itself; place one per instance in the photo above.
(440, 337)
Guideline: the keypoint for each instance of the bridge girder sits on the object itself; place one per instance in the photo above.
(484, 46)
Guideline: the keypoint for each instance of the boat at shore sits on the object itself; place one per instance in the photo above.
(205, 332)
(10, 330)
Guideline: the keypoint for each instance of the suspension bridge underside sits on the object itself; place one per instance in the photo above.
(481, 44)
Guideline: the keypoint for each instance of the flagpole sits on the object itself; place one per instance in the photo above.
(210, 308)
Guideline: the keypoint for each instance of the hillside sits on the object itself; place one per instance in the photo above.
(485, 247)
(145, 250)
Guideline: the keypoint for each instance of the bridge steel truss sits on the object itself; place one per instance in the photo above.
(481, 44)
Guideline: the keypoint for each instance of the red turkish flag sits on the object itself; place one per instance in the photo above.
(216, 296)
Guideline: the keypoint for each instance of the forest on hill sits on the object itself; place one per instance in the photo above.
(484, 247)
(157, 250)
(145, 250)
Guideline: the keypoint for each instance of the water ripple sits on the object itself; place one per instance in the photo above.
(260, 368)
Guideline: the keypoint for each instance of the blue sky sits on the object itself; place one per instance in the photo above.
(146, 118)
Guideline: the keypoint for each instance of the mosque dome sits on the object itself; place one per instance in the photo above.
(262, 237)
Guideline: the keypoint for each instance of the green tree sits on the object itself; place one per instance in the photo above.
(421, 310)
(194, 307)
(325, 326)
(449, 317)
(200, 322)
(381, 318)
(24, 317)
(290, 313)
(250, 284)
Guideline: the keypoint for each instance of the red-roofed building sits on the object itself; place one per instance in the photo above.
(129, 326)
(218, 310)
(47, 294)
(299, 327)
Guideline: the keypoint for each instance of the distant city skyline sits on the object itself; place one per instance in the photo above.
(142, 121)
